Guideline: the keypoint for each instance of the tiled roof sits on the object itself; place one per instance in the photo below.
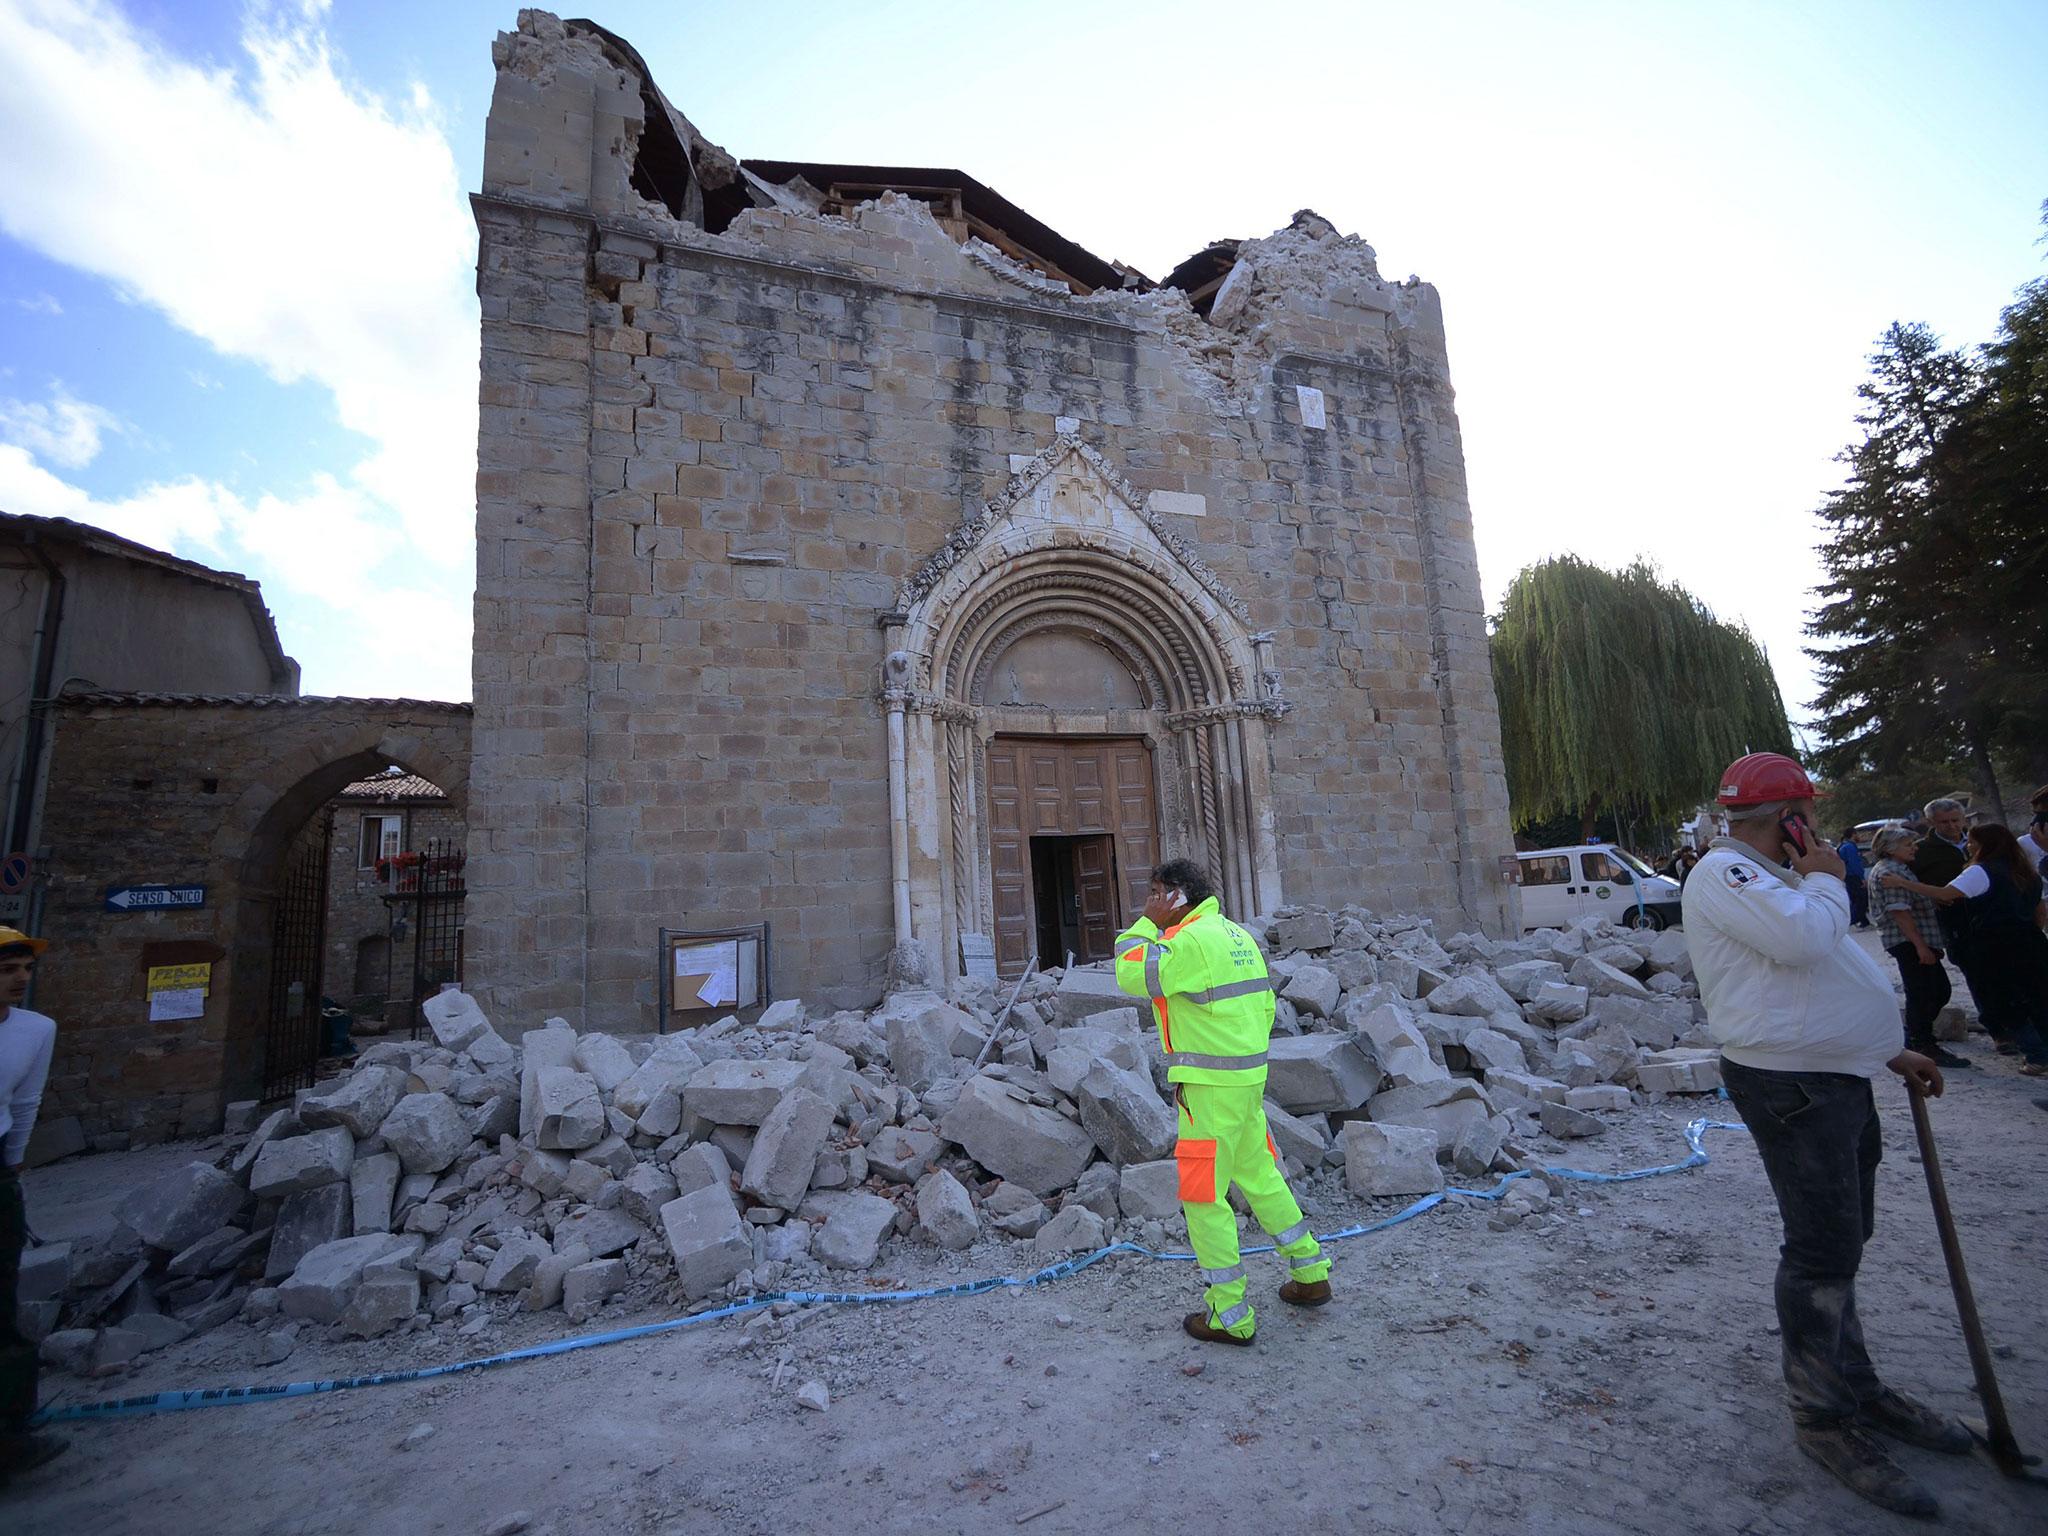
(248, 701)
(394, 787)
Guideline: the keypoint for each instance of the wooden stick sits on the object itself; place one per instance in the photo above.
(2005, 1450)
(1027, 1519)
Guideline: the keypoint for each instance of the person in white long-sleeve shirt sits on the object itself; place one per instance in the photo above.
(1805, 1019)
(26, 1043)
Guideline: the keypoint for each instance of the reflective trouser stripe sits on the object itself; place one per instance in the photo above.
(1215, 1063)
(1233, 1117)
(1293, 1234)
(1230, 989)
(1233, 1317)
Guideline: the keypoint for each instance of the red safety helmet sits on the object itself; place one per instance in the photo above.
(1762, 777)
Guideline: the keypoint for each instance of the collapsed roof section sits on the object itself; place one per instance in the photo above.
(699, 183)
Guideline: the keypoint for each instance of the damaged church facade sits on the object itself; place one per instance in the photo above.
(858, 555)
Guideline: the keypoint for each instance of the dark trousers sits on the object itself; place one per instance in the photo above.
(1958, 941)
(1927, 993)
(1817, 1135)
(2011, 987)
(17, 1355)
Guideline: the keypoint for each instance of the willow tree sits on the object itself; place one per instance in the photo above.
(1620, 690)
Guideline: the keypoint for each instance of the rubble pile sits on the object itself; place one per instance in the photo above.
(444, 1183)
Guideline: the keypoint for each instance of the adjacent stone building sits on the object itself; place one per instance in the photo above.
(857, 554)
(378, 830)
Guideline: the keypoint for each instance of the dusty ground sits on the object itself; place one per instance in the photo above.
(1612, 1370)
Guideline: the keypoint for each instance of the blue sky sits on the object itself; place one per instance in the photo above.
(235, 254)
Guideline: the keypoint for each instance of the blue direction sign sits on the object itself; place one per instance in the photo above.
(151, 898)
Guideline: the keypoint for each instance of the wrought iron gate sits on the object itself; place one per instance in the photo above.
(298, 951)
(427, 890)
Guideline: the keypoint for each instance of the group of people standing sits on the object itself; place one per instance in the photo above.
(1973, 895)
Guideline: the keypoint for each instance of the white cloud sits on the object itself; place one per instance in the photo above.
(41, 304)
(65, 430)
(288, 217)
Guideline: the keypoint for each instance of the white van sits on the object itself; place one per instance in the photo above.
(1562, 885)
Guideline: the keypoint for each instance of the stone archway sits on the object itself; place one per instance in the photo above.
(1127, 637)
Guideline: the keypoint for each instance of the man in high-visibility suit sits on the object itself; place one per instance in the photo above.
(1208, 987)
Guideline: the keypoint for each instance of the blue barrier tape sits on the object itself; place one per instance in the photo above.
(213, 1397)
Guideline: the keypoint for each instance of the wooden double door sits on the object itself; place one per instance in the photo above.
(1073, 836)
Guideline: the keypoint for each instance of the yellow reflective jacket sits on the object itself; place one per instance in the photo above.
(1208, 985)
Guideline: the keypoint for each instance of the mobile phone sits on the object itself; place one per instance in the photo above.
(1795, 829)
(1180, 897)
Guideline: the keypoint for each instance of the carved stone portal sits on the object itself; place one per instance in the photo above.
(1065, 608)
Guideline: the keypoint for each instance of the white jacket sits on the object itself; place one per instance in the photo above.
(1785, 987)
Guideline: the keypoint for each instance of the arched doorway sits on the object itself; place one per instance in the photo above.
(304, 865)
(1072, 697)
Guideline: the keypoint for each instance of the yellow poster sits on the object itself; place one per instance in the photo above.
(181, 978)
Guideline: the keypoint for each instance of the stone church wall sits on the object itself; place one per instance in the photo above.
(709, 462)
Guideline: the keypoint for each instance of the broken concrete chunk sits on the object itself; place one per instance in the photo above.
(1306, 930)
(178, 1209)
(1076, 1229)
(600, 1233)
(1566, 1123)
(1124, 1115)
(1478, 1144)
(386, 1297)
(1558, 1002)
(1490, 1051)
(1442, 1108)
(455, 1019)
(323, 1281)
(568, 1114)
(373, 1187)
(1311, 1074)
(512, 1266)
(427, 1132)
(921, 1045)
(1085, 991)
(900, 1156)
(1475, 995)
(1384, 1160)
(786, 1014)
(539, 1050)
(855, 1225)
(945, 1212)
(645, 1191)
(587, 1287)
(785, 1153)
(1313, 990)
(359, 1102)
(1522, 979)
(1150, 1191)
(702, 1166)
(1603, 980)
(707, 1240)
(302, 1162)
(1028, 1145)
(1679, 1071)
(1304, 1138)
(735, 1092)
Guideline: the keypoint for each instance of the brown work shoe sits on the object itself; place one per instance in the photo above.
(1197, 1325)
(1866, 1469)
(1306, 1293)
(1914, 1423)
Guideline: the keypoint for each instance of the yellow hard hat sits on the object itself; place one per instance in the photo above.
(13, 936)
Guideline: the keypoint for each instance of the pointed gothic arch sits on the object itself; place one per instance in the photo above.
(1069, 550)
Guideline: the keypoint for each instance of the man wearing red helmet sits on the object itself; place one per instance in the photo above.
(1805, 1019)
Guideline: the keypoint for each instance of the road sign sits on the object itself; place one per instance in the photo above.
(151, 898)
(14, 872)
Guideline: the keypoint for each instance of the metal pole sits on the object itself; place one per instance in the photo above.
(989, 1044)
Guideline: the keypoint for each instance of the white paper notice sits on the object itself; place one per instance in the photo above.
(711, 971)
(178, 1003)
